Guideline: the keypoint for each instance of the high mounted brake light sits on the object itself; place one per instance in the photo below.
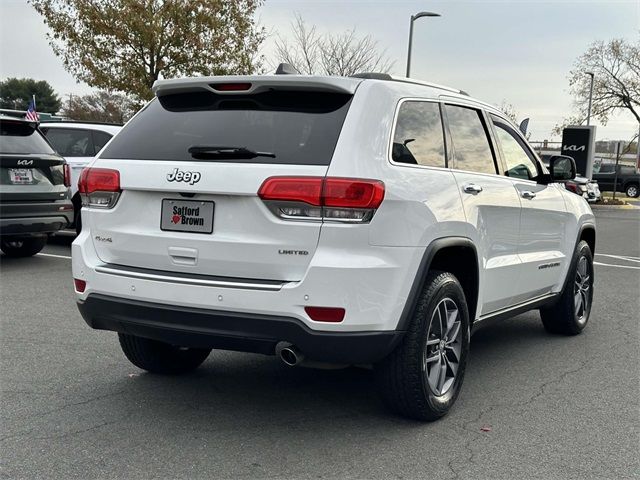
(231, 87)
(99, 187)
(322, 198)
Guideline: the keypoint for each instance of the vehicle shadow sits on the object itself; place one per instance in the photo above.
(232, 388)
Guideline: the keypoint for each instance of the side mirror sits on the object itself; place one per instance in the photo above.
(562, 168)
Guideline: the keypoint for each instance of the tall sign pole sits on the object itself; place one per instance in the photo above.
(638, 149)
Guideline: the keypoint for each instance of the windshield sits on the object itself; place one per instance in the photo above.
(294, 127)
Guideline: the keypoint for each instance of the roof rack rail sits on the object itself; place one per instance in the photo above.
(386, 76)
(373, 76)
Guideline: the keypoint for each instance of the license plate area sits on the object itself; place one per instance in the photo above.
(191, 216)
(21, 176)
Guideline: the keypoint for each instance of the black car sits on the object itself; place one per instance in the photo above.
(627, 179)
(34, 194)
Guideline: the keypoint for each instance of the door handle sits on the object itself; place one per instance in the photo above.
(472, 188)
(528, 194)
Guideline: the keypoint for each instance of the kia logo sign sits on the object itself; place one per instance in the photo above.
(578, 142)
(574, 148)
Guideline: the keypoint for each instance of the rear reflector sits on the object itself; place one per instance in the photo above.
(325, 314)
(80, 285)
(231, 87)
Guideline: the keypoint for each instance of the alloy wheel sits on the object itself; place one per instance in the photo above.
(581, 290)
(443, 348)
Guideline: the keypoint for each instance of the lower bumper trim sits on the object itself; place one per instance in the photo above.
(195, 327)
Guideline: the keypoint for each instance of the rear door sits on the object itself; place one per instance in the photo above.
(189, 188)
(30, 170)
(491, 205)
(542, 246)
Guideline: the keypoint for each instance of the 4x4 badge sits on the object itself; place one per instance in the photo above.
(180, 176)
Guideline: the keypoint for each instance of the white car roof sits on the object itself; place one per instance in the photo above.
(103, 127)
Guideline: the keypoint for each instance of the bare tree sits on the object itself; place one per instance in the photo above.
(344, 54)
(616, 84)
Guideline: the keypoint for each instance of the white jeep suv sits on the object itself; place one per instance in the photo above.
(363, 220)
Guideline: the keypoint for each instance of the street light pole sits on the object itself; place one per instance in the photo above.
(590, 97)
(413, 19)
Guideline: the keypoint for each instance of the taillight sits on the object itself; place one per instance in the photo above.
(99, 187)
(572, 187)
(67, 175)
(322, 198)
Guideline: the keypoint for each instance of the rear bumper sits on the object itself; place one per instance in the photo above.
(195, 327)
(24, 218)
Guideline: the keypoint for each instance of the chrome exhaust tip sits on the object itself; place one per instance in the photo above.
(289, 354)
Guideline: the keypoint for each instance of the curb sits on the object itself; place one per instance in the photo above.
(613, 207)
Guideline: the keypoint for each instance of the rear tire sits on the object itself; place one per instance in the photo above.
(570, 314)
(22, 247)
(632, 191)
(159, 357)
(422, 377)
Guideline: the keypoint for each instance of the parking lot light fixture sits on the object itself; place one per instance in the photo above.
(414, 18)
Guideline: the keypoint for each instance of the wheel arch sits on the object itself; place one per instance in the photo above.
(588, 234)
(457, 255)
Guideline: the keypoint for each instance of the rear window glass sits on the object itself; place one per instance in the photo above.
(19, 137)
(71, 142)
(296, 127)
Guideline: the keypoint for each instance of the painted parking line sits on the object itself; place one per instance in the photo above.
(52, 255)
(619, 257)
(616, 266)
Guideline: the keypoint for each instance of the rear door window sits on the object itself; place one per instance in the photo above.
(20, 137)
(71, 142)
(418, 138)
(471, 144)
(297, 127)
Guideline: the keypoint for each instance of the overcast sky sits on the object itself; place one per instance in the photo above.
(519, 51)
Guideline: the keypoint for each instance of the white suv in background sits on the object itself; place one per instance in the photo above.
(363, 220)
(78, 143)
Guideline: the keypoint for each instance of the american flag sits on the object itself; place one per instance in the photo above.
(31, 112)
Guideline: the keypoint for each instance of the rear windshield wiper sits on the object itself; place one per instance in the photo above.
(214, 151)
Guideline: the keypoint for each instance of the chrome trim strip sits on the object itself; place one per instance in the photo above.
(506, 310)
(190, 281)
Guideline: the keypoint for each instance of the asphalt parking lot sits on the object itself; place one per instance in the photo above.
(533, 405)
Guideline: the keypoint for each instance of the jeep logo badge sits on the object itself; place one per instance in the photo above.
(187, 177)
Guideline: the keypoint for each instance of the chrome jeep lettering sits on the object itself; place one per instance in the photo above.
(187, 177)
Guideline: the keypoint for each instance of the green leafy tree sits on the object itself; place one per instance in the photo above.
(16, 93)
(126, 45)
(99, 107)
